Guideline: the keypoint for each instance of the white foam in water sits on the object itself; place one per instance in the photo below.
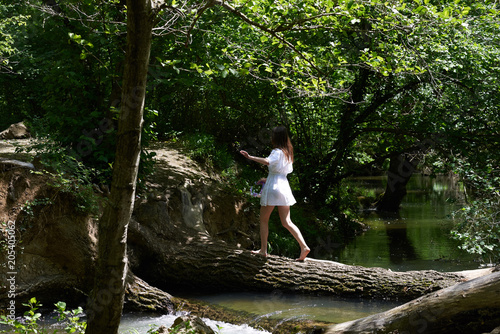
(140, 324)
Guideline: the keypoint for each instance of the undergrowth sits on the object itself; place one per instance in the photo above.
(70, 321)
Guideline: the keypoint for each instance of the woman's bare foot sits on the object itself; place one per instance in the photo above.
(259, 252)
(303, 254)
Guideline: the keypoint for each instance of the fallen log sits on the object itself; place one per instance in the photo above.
(469, 307)
(193, 263)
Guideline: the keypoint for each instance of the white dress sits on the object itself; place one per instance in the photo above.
(277, 191)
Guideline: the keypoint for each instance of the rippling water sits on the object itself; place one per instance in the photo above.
(140, 324)
(268, 305)
(285, 306)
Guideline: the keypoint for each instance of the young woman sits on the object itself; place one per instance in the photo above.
(277, 191)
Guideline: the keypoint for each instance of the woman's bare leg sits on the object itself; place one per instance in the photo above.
(284, 212)
(265, 213)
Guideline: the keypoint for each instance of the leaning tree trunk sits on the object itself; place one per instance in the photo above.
(400, 171)
(106, 301)
(470, 307)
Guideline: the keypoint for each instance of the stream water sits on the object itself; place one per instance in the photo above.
(270, 305)
(416, 238)
(140, 324)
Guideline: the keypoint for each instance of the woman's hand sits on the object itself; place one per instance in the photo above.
(263, 161)
(245, 154)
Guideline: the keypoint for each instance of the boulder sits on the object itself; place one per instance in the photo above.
(190, 324)
(53, 247)
(15, 131)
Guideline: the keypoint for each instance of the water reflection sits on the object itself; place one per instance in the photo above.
(416, 238)
(401, 248)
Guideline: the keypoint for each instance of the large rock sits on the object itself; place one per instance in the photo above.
(190, 324)
(53, 248)
(15, 131)
(186, 324)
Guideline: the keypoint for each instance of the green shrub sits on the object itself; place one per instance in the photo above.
(29, 323)
(204, 149)
(478, 229)
(69, 175)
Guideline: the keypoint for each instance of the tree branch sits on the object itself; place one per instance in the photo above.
(272, 32)
(208, 4)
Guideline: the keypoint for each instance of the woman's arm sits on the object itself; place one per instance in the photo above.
(263, 161)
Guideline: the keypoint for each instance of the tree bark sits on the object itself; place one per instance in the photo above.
(192, 263)
(213, 268)
(141, 297)
(469, 307)
(106, 301)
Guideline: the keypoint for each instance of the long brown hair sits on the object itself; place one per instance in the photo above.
(281, 140)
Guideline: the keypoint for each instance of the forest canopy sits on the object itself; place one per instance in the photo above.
(357, 83)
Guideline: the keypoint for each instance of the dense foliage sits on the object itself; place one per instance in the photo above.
(356, 82)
